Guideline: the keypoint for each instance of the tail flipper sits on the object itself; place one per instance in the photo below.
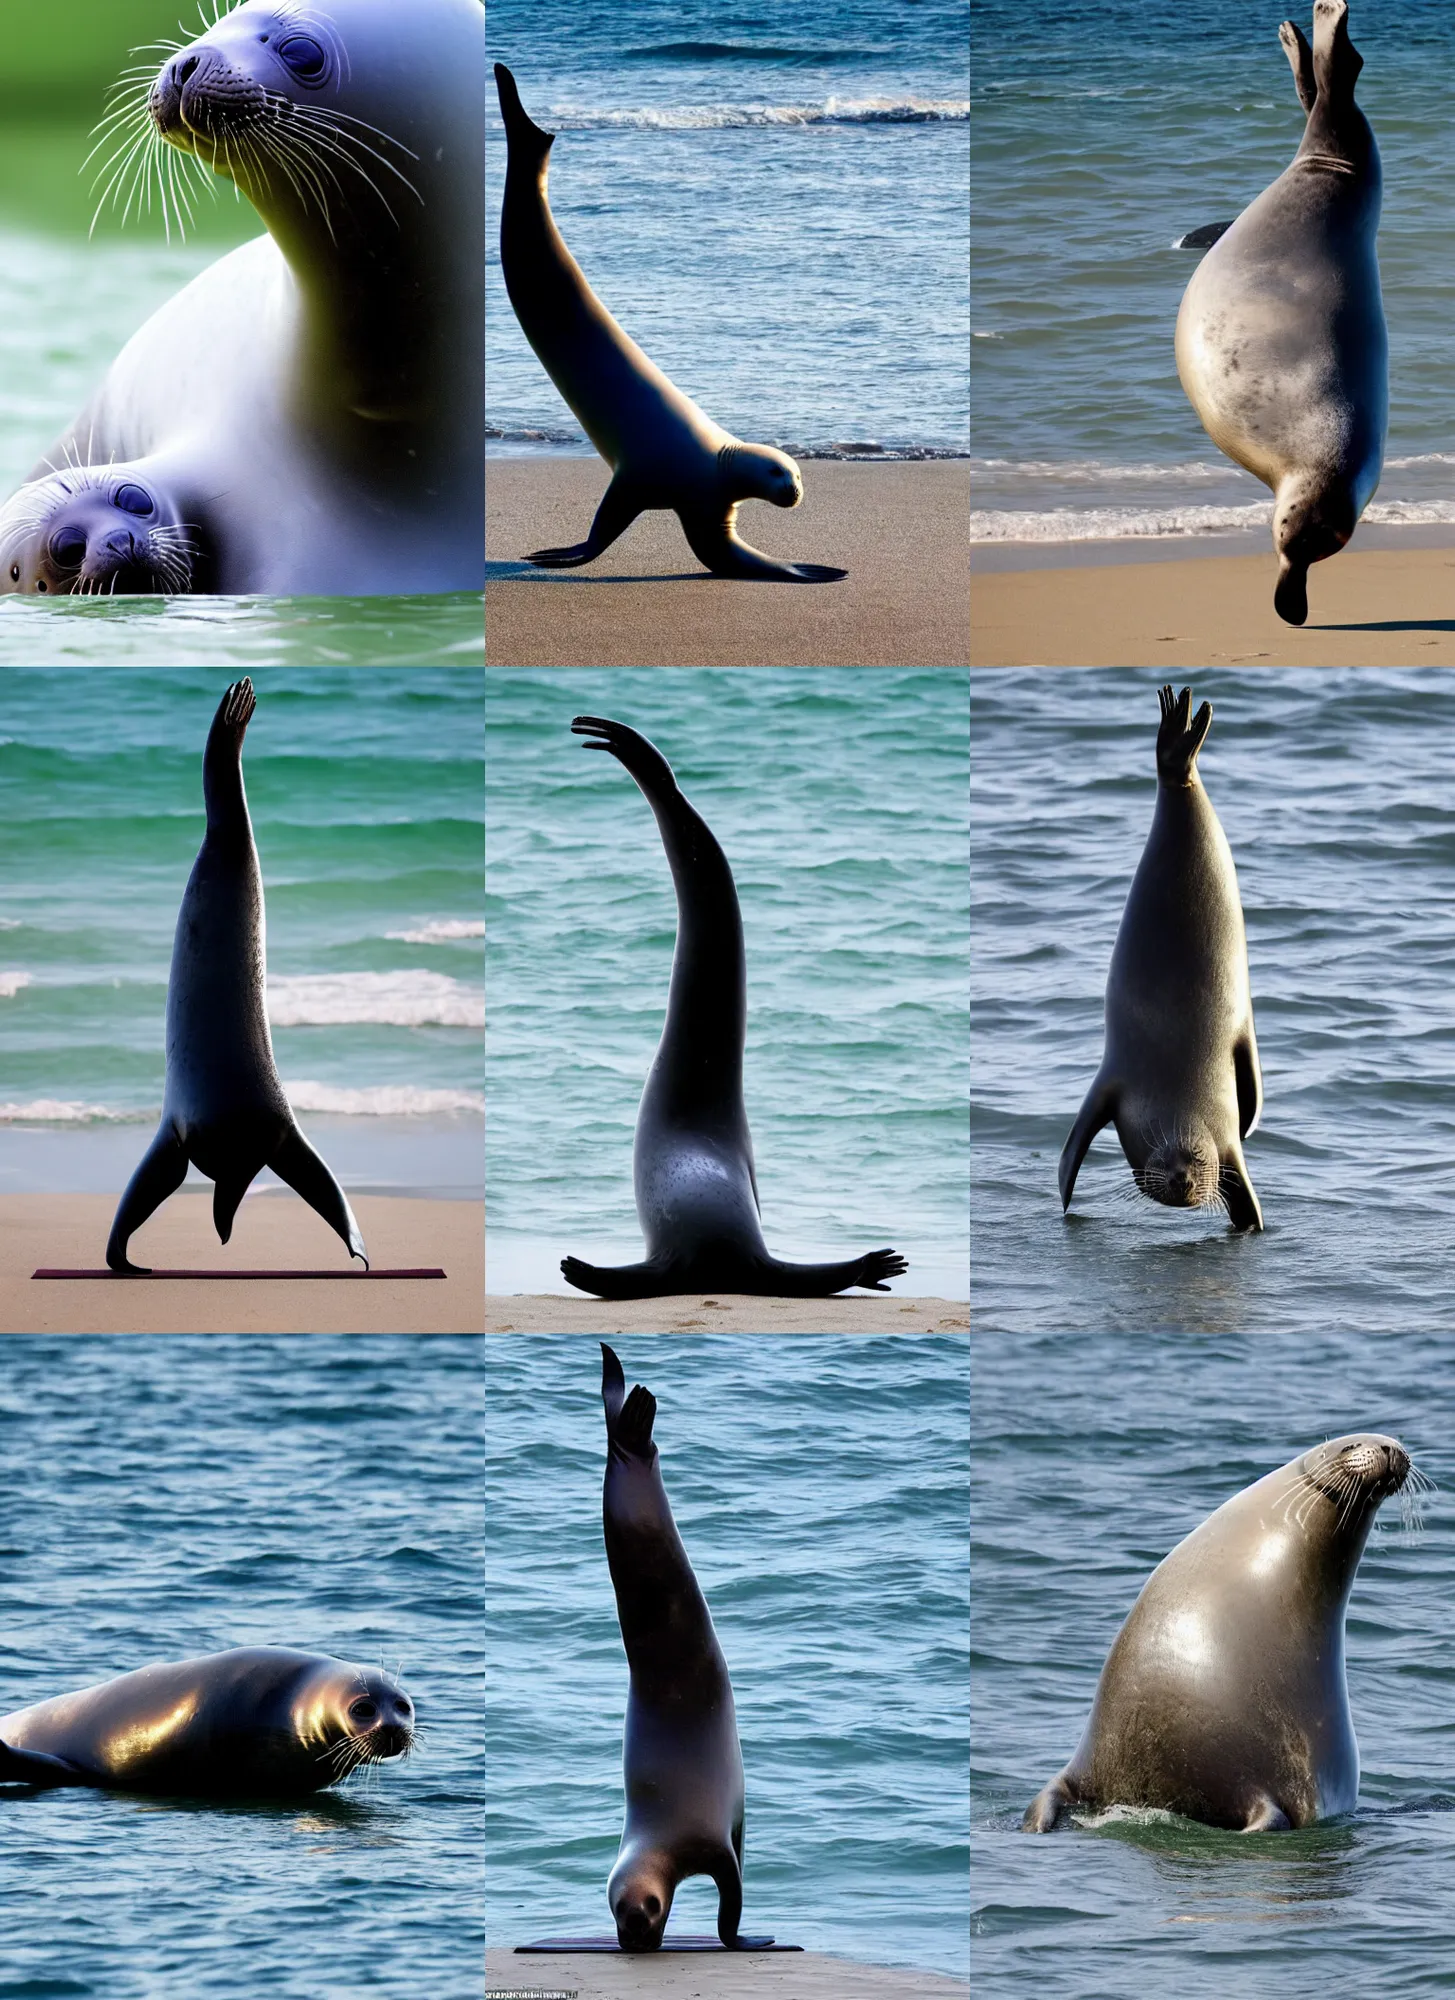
(1204, 237)
(629, 1419)
(647, 1280)
(522, 136)
(1336, 61)
(295, 1161)
(714, 540)
(38, 1767)
(226, 1201)
(822, 1281)
(1301, 61)
(1181, 735)
(161, 1171)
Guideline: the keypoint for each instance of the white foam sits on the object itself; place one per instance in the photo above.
(9, 923)
(11, 983)
(440, 930)
(383, 1101)
(59, 1111)
(724, 117)
(1098, 524)
(390, 999)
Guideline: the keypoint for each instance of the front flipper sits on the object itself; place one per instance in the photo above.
(295, 1161)
(38, 1767)
(1301, 60)
(713, 539)
(647, 1280)
(1237, 1192)
(1266, 1817)
(1290, 592)
(620, 505)
(162, 1170)
(1049, 1806)
(1248, 1077)
(776, 1280)
(1098, 1110)
(728, 1876)
(1205, 237)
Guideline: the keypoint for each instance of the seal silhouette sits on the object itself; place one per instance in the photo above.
(1281, 342)
(224, 1107)
(680, 1756)
(259, 1721)
(308, 414)
(692, 1161)
(662, 450)
(1223, 1697)
(1179, 1073)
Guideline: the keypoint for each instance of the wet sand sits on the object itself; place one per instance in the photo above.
(808, 1975)
(726, 1312)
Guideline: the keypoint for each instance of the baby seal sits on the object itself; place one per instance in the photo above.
(99, 531)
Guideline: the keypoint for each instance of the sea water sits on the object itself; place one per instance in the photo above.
(772, 200)
(839, 798)
(365, 788)
(1333, 789)
(819, 1486)
(1104, 131)
(167, 1498)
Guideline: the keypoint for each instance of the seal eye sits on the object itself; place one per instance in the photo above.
(68, 548)
(15, 572)
(304, 57)
(133, 500)
(363, 1710)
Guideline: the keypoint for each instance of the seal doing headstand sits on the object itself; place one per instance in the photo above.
(224, 1108)
(1179, 1076)
(1223, 1697)
(308, 414)
(1281, 342)
(680, 1756)
(256, 1722)
(662, 450)
(696, 1191)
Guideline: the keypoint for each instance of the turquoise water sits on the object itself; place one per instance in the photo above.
(174, 1497)
(365, 787)
(1093, 1457)
(819, 1488)
(839, 798)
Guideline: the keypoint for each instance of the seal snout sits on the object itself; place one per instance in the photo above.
(382, 1724)
(200, 94)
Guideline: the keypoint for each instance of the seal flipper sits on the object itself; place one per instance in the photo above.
(1236, 1190)
(1049, 1806)
(651, 1279)
(226, 1201)
(160, 1172)
(1248, 1077)
(1336, 61)
(1301, 60)
(713, 539)
(521, 133)
(1180, 735)
(294, 1160)
(1205, 237)
(728, 1875)
(821, 1281)
(620, 505)
(1098, 1110)
(1268, 1817)
(38, 1767)
(629, 1418)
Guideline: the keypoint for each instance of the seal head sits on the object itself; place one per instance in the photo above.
(97, 531)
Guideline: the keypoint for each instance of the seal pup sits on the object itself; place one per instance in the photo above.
(1223, 1697)
(662, 450)
(1281, 342)
(93, 531)
(312, 405)
(692, 1159)
(256, 1722)
(681, 1762)
(1179, 1074)
(224, 1107)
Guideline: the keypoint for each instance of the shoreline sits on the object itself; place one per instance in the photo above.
(723, 1312)
(727, 1975)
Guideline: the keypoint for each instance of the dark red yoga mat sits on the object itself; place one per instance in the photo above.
(135, 1277)
(609, 1944)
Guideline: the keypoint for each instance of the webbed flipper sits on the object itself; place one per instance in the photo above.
(713, 539)
(294, 1160)
(160, 1172)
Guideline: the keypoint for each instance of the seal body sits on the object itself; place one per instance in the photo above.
(311, 407)
(662, 450)
(1281, 341)
(1223, 1697)
(680, 1756)
(696, 1191)
(224, 1108)
(1179, 1074)
(259, 1721)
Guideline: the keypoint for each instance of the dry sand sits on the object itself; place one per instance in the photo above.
(1387, 606)
(272, 1230)
(808, 1975)
(725, 1312)
(900, 529)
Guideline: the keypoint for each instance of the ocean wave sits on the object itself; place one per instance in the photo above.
(742, 52)
(732, 117)
(382, 1101)
(11, 983)
(1101, 524)
(1097, 472)
(389, 999)
(850, 450)
(9, 923)
(440, 930)
(61, 1111)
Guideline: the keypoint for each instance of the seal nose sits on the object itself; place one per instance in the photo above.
(182, 69)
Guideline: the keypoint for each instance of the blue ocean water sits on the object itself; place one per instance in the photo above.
(366, 793)
(1333, 790)
(819, 1488)
(1100, 138)
(839, 798)
(773, 201)
(1093, 1457)
(177, 1496)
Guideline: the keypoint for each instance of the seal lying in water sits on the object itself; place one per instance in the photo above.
(225, 1109)
(257, 1722)
(1281, 342)
(308, 414)
(680, 1756)
(1223, 1697)
(696, 1190)
(662, 450)
(1179, 1074)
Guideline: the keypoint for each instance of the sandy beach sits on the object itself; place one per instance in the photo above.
(1380, 606)
(272, 1230)
(901, 529)
(808, 1975)
(730, 1312)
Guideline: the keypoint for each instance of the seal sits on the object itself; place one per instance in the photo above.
(224, 1107)
(87, 531)
(1281, 342)
(309, 411)
(680, 1756)
(692, 1161)
(662, 450)
(256, 1722)
(1179, 1072)
(1223, 1697)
